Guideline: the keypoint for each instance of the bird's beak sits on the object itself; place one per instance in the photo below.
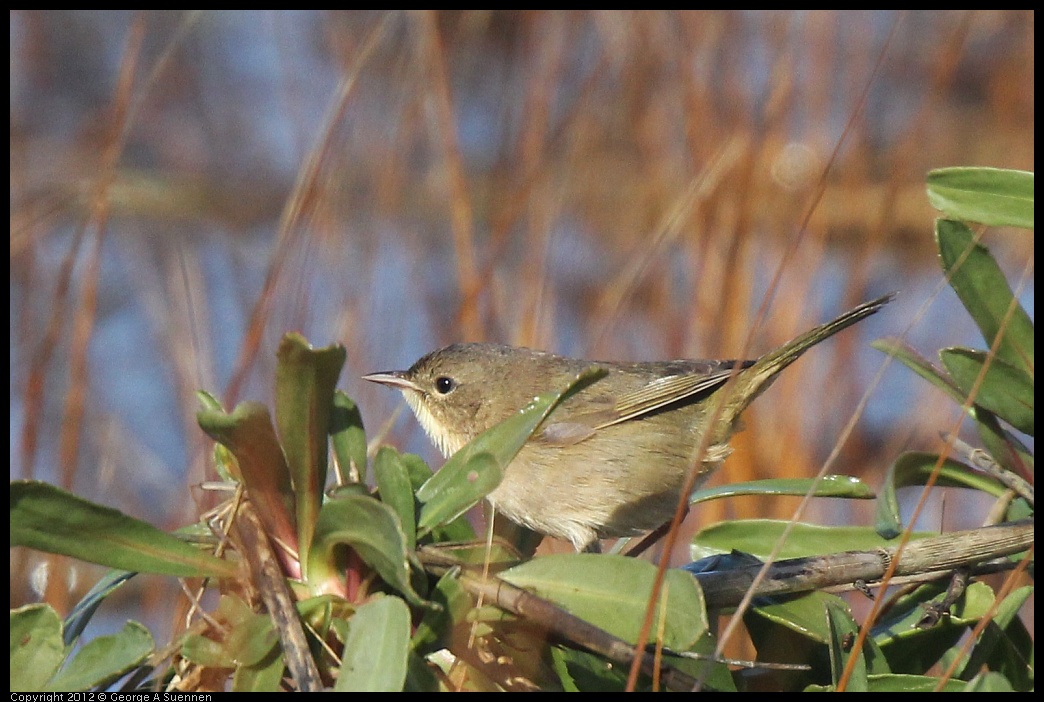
(395, 379)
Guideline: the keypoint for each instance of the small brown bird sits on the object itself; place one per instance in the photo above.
(610, 460)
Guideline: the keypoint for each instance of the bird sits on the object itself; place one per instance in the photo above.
(611, 460)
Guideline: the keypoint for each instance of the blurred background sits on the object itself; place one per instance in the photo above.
(186, 187)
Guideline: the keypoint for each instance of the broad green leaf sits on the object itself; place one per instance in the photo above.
(803, 614)
(436, 629)
(1005, 447)
(476, 469)
(1005, 390)
(376, 650)
(793, 628)
(612, 592)
(829, 486)
(393, 483)
(264, 676)
(36, 647)
(416, 468)
(372, 529)
(843, 629)
(984, 291)
(348, 437)
(461, 483)
(249, 637)
(248, 433)
(713, 673)
(304, 395)
(581, 671)
(253, 640)
(206, 652)
(988, 681)
(1005, 645)
(992, 196)
(103, 660)
(913, 468)
(912, 650)
(758, 537)
(50, 519)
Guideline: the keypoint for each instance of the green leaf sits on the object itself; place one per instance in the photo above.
(460, 484)
(476, 469)
(1005, 646)
(264, 676)
(372, 529)
(913, 468)
(81, 614)
(50, 519)
(304, 395)
(206, 652)
(376, 651)
(913, 650)
(984, 291)
(829, 486)
(988, 681)
(1004, 446)
(1005, 390)
(436, 629)
(900, 683)
(36, 647)
(248, 433)
(348, 437)
(920, 365)
(991, 196)
(418, 470)
(843, 629)
(103, 660)
(802, 614)
(758, 537)
(253, 640)
(612, 592)
(393, 483)
(581, 671)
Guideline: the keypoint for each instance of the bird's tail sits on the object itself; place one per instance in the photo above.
(753, 381)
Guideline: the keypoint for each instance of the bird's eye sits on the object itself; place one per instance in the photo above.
(444, 385)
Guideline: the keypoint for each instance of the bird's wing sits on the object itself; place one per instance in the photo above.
(694, 378)
(668, 390)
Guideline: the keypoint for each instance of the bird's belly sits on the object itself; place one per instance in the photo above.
(600, 487)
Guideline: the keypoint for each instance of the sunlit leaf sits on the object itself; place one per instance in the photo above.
(348, 436)
(829, 486)
(102, 660)
(1004, 390)
(36, 647)
(372, 529)
(393, 483)
(249, 434)
(758, 537)
(992, 196)
(612, 592)
(984, 291)
(304, 394)
(913, 468)
(1005, 447)
(50, 519)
